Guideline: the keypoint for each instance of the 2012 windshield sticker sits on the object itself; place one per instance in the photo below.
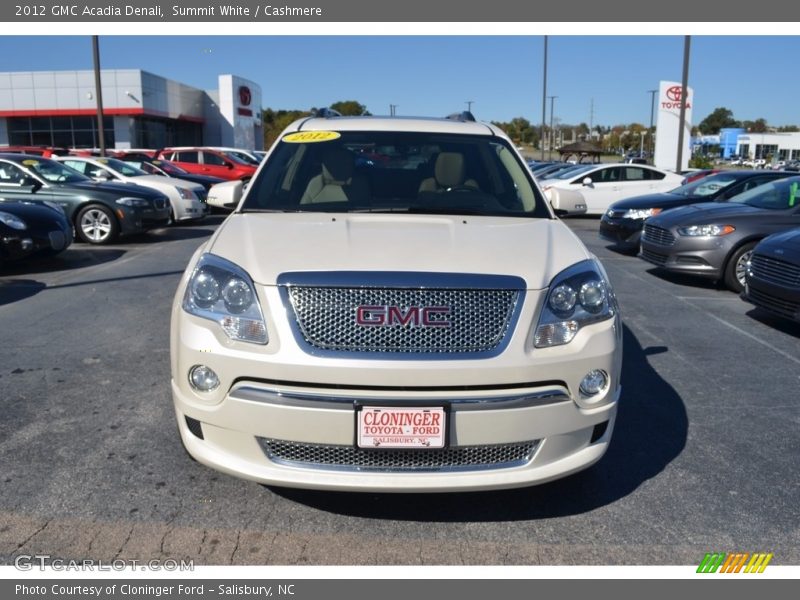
(306, 137)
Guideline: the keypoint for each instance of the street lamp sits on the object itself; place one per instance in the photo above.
(469, 104)
(552, 137)
(544, 96)
(652, 112)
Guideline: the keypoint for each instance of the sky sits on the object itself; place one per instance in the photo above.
(436, 75)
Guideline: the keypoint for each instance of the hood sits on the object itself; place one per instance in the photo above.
(786, 240)
(33, 211)
(651, 201)
(114, 189)
(703, 213)
(165, 183)
(267, 245)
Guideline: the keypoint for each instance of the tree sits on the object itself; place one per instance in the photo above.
(275, 121)
(757, 126)
(720, 118)
(350, 108)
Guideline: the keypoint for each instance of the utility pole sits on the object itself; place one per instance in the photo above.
(687, 43)
(544, 96)
(591, 119)
(392, 110)
(98, 92)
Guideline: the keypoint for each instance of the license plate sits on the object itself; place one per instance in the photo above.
(401, 427)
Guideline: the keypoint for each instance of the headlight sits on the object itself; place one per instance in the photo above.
(641, 213)
(138, 202)
(706, 230)
(222, 292)
(12, 221)
(578, 296)
(184, 193)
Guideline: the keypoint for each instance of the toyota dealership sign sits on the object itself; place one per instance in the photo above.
(670, 101)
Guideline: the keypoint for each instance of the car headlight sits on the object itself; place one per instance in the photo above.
(222, 292)
(138, 202)
(12, 221)
(578, 296)
(184, 193)
(641, 213)
(706, 230)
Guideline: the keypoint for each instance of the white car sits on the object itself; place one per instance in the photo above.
(365, 325)
(593, 189)
(226, 195)
(187, 199)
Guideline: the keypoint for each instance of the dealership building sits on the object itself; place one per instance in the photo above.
(141, 110)
(778, 146)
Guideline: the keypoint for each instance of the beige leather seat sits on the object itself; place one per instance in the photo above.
(336, 183)
(448, 172)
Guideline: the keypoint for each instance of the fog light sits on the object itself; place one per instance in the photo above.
(203, 378)
(594, 382)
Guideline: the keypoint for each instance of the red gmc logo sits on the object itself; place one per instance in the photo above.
(413, 316)
(245, 96)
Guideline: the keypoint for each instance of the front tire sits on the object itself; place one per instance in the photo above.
(736, 267)
(96, 225)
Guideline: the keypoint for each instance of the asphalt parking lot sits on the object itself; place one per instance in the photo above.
(704, 456)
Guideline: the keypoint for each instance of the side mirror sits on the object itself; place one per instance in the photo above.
(587, 181)
(33, 183)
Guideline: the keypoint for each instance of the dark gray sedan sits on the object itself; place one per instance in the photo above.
(716, 240)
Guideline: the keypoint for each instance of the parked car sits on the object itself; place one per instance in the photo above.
(772, 275)
(156, 166)
(622, 223)
(392, 328)
(99, 212)
(691, 175)
(28, 228)
(45, 151)
(593, 190)
(716, 240)
(207, 161)
(187, 199)
(245, 156)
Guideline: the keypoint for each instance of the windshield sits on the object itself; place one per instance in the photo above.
(169, 167)
(706, 186)
(53, 171)
(147, 167)
(242, 157)
(572, 172)
(395, 172)
(122, 167)
(775, 195)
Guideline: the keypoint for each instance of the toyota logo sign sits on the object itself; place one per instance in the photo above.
(245, 96)
(674, 96)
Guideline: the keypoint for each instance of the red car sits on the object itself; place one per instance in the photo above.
(43, 151)
(208, 161)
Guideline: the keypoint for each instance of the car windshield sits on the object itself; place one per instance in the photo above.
(234, 156)
(242, 157)
(147, 167)
(53, 171)
(775, 195)
(359, 171)
(706, 186)
(572, 171)
(122, 167)
(169, 167)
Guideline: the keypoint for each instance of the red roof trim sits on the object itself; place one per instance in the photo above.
(83, 112)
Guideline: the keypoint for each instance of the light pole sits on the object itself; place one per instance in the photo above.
(552, 137)
(469, 104)
(98, 92)
(392, 110)
(652, 112)
(544, 96)
(687, 43)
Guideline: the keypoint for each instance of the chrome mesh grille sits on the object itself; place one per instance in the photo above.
(350, 458)
(479, 319)
(658, 235)
(775, 271)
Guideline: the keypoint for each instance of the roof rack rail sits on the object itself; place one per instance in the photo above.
(325, 113)
(462, 116)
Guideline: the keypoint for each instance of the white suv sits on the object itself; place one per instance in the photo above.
(393, 307)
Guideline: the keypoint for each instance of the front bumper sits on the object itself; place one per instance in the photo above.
(702, 256)
(25, 243)
(280, 396)
(624, 233)
(781, 300)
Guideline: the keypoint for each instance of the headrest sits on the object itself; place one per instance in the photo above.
(449, 169)
(337, 165)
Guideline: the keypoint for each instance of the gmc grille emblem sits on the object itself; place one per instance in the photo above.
(412, 316)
